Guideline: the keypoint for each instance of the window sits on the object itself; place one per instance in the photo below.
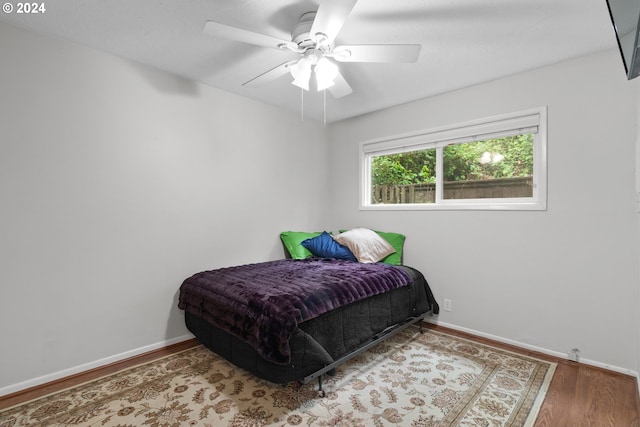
(494, 163)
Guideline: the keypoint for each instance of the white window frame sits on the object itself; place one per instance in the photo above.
(529, 121)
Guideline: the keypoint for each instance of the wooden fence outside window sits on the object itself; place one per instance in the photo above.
(481, 189)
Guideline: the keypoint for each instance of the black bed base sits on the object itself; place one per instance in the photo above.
(387, 333)
(311, 363)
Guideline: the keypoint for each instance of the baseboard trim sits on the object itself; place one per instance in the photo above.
(530, 347)
(80, 369)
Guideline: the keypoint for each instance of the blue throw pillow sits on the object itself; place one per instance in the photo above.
(324, 246)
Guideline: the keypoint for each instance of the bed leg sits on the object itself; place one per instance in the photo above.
(321, 392)
(421, 322)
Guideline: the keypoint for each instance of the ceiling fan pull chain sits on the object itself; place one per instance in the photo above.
(324, 106)
(301, 105)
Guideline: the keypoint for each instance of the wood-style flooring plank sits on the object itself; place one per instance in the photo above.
(581, 395)
(559, 399)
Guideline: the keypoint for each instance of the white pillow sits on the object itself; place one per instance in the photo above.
(365, 244)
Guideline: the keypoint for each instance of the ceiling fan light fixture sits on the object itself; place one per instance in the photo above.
(301, 73)
(301, 83)
(324, 84)
(326, 72)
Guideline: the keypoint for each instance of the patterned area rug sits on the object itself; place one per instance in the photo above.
(412, 379)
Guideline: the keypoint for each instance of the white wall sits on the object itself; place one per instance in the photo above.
(117, 182)
(562, 278)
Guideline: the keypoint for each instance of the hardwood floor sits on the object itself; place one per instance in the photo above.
(579, 395)
(584, 396)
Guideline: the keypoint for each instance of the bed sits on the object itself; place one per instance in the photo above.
(298, 318)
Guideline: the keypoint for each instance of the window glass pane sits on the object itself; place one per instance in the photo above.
(404, 177)
(494, 168)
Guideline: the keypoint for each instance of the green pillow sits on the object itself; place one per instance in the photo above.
(292, 242)
(397, 241)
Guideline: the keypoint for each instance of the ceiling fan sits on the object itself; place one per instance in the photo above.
(313, 40)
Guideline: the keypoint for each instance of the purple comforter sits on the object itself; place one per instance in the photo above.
(263, 303)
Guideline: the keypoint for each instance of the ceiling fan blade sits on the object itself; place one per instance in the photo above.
(330, 18)
(228, 32)
(271, 75)
(377, 53)
(340, 87)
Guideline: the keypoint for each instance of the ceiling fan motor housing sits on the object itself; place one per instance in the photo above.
(301, 32)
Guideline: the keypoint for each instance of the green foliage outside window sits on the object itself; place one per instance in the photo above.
(414, 167)
(494, 158)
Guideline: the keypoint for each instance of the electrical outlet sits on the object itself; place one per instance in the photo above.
(574, 355)
(447, 305)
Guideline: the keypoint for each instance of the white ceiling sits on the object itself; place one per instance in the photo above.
(464, 42)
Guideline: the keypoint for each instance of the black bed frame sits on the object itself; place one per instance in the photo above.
(214, 338)
(376, 339)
